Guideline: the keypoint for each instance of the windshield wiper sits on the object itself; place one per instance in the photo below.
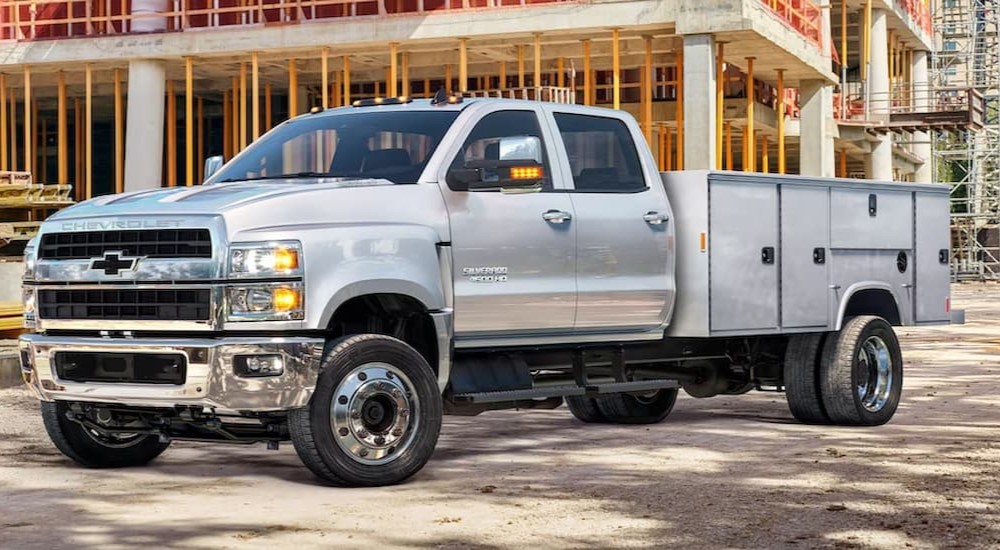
(279, 177)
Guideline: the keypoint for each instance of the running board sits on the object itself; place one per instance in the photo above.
(563, 391)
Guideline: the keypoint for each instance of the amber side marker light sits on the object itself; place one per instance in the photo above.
(526, 173)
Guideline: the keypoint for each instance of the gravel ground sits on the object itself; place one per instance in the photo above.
(727, 472)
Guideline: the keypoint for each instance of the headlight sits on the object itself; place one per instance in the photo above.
(281, 259)
(278, 302)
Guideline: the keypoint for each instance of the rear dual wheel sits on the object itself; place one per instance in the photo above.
(853, 377)
(861, 373)
(624, 408)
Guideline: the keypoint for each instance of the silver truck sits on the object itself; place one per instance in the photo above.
(359, 272)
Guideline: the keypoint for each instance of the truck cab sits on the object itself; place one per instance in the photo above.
(358, 272)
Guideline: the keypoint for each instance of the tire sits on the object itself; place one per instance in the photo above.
(626, 408)
(374, 417)
(92, 450)
(585, 409)
(861, 373)
(801, 376)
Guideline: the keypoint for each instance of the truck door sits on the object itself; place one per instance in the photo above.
(624, 233)
(513, 254)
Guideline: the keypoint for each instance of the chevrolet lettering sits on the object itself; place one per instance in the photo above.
(356, 273)
(105, 225)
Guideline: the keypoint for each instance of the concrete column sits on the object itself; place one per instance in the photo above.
(699, 102)
(825, 45)
(878, 163)
(144, 124)
(921, 102)
(816, 137)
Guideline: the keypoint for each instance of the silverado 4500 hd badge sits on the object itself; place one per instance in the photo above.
(485, 274)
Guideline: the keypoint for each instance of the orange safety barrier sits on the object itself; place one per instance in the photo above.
(802, 15)
(48, 19)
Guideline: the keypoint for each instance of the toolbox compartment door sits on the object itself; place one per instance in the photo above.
(805, 255)
(743, 256)
(933, 276)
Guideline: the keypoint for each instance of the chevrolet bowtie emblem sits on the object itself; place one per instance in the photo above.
(113, 263)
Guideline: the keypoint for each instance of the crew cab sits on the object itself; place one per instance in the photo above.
(358, 272)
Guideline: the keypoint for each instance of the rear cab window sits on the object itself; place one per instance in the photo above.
(602, 154)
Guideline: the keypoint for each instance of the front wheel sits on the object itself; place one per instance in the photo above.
(91, 448)
(375, 416)
(861, 373)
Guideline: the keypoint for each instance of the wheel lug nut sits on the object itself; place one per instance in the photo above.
(363, 452)
(404, 412)
(342, 400)
(362, 376)
(379, 386)
(343, 432)
(380, 440)
(355, 415)
(362, 433)
(396, 393)
(397, 432)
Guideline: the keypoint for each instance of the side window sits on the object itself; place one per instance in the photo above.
(602, 155)
(483, 143)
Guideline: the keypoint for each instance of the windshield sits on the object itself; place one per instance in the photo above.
(391, 145)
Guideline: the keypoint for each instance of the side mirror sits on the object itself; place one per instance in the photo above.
(212, 165)
(517, 168)
(521, 149)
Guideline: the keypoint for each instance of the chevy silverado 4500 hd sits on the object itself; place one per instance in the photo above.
(358, 272)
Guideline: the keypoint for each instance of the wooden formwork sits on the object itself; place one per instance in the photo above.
(11, 318)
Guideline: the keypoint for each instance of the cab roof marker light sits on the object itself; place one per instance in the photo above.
(382, 101)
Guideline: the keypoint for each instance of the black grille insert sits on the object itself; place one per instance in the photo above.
(126, 304)
(143, 368)
(149, 243)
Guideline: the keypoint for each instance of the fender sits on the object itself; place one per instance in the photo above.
(858, 287)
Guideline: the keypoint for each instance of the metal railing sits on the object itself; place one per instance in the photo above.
(914, 103)
(553, 94)
(48, 19)
(919, 12)
(802, 15)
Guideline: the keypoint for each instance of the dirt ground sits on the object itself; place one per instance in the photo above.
(727, 472)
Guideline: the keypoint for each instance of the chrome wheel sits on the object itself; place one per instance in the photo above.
(375, 413)
(874, 374)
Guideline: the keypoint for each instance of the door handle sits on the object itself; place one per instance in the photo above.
(654, 218)
(557, 216)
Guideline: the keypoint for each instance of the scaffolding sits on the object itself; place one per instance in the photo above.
(968, 55)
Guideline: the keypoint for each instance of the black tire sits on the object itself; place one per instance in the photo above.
(347, 364)
(801, 376)
(626, 408)
(852, 384)
(585, 409)
(92, 450)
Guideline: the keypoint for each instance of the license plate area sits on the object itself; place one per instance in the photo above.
(121, 367)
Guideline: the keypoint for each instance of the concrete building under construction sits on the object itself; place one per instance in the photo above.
(112, 95)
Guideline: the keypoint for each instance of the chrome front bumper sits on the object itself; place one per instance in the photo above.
(210, 381)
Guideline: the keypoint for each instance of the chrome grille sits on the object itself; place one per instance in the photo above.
(126, 304)
(149, 243)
